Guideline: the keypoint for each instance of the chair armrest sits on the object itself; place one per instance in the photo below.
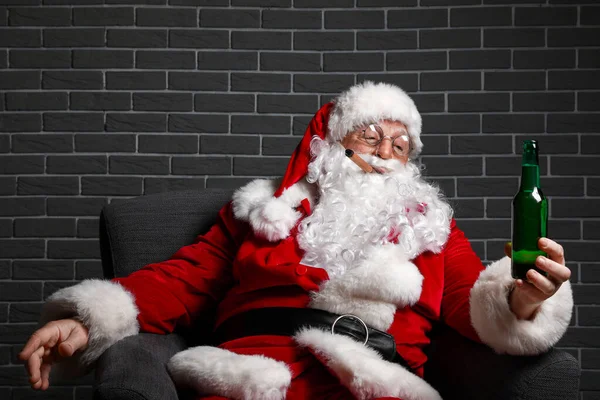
(135, 368)
(461, 368)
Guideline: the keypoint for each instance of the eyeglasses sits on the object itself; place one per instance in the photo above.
(373, 135)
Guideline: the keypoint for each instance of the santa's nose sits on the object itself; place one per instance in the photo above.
(385, 149)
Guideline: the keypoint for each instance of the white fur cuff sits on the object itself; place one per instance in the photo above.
(499, 328)
(104, 307)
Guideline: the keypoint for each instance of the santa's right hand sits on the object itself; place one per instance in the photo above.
(55, 340)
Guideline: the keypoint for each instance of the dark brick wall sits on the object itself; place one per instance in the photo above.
(107, 99)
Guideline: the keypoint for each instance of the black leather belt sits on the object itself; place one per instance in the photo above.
(285, 321)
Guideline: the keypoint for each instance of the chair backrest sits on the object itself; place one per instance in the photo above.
(147, 229)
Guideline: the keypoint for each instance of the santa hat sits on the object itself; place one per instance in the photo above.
(274, 214)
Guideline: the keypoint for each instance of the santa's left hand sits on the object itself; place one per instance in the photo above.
(526, 297)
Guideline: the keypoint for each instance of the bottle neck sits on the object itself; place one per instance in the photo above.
(530, 176)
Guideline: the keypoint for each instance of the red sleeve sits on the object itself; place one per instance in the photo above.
(461, 269)
(176, 292)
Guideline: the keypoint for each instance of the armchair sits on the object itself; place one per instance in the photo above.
(151, 228)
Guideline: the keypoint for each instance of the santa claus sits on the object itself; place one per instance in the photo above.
(325, 282)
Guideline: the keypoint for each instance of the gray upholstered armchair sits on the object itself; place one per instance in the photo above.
(151, 228)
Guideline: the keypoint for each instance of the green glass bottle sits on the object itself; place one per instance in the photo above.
(530, 215)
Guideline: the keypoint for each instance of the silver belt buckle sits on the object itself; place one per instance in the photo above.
(355, 317)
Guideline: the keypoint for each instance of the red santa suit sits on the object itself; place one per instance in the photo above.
(252, 259)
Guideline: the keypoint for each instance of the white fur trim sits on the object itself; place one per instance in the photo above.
(499, 328)
(369, 102)
(362, 370)
(215, 371)
(271, 217)
(104, 307)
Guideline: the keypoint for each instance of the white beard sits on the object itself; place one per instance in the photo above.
(357, 211)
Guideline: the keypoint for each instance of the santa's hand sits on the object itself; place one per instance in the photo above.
(526, 297)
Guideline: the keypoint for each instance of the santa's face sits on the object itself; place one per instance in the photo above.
(386, 140)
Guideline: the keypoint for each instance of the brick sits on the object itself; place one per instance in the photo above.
(550, 144)
(422, 60)
(478, 102)
(590, 15)
(452, 166)
(479, 59)
(103, 16)
(514, 1)
(446, 185)
(102, 59)
(21, 38)
(290, 62)
(590, 144)
(74, 37)
(47, 185)
(36, 101)
(564, 230)
(355, 19)
(100, 101)
(41, 227)
(498, 208)
(217, 3)
(390, 40)
(451, 123)
(201, 81)
(481, 144)
(449, 2)
(69, 206)
(591, 230)
(177, 144)
(444, 38)
(52, 287)
(417, 18)
(467, 208)
(287, 19)
(482, 187)
(513, 37)
(481, 16)
(201, 165)
(346, 62)
(111, 186)
(544, 16)
(44, 143)
(408, 82)
(510, 165)
(4, 318)
(137, 38)
(136, 80)
(558, 186)
(260, 82)
(39, 16)
(537, 101)
(22, 206)
(229, 144)
(513, 123)
(15, 164)
(322, 83)
(264, 40)
(6, 229)
(149, 2)
(102, 143)
(487, 229)
(263, 166)
(88, 270)
(260, 124)
(89, 227)
(386, 3)
(581, 251)
(3, 16)
(262, 3)
(73, 122)
(8, 186)
(152, 165)
(435, 145)
(79, 80)
(229, 18)
(76, 248)
(522, 80)
(162, 102)
(136, 122)
(590, 273)
(562, 208)
(40, 59)
(76, 164)
(199, 38)
(429, 102)
(441, 81)
(224, 102)
(287, 103)
(19, 80)
(585, 294)
(159, 185)
(159, 59)
(569, 123)
(198, 123)
(590, 358)
(319, 41)
(320, 4)
(25, 312)
(4, 143)
(17, 334)
(20, 122)
(544, 59)
(572, 37)
(234, 60)
(171, 17)
(226, 182)
(588, 101)
(19, 248)
(573, 80)
(279, 146)
(575, 165)
(73, 2)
